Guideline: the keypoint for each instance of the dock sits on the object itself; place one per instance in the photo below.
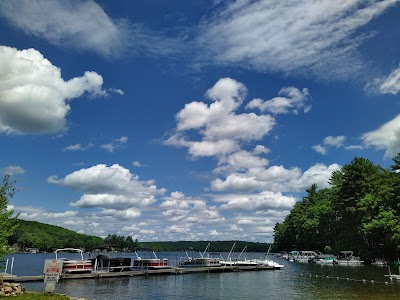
(141, 272)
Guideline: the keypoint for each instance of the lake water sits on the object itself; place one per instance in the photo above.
(295, 281)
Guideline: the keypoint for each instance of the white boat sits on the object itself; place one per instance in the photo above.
(268, 262)
(204, 261)
(78, 265)
(324, 259)
(154, 263)
(305, 256)
(379, 262)
(282, 254)
(228, 262)
(346, 258)
(246, 263)
(292, 255)
(223, 262)
(200, 262)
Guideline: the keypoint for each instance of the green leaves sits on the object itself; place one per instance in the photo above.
(360, 212)
(7, 222)
(45, 237)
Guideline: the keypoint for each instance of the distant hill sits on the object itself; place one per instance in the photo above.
(45, 237)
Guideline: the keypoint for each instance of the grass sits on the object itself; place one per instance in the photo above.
(40, 296)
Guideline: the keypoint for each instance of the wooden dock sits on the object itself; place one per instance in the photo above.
(141, 272)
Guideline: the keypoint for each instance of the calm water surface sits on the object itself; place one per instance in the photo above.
(296, 281)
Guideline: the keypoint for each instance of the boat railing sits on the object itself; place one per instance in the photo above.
(7, 265)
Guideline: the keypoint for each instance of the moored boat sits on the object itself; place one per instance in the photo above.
(379, 262)
(282, 254)
(246, 263)
(228, 262)
(111, 264)
(292, 255)
(324, 259)
(346, 258)
(79, 265)
(268, 262)
(200, 262)
(305, 256)
(154, 263)
(204, 261)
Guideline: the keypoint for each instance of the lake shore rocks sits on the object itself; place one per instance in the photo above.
(11, 289)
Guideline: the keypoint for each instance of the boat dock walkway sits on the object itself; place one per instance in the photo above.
(141, 272)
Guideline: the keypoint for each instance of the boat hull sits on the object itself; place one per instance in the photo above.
(349, 262)
(151, 263)
(77, 266)
(200, 263)
(115, 264)
(325, 261)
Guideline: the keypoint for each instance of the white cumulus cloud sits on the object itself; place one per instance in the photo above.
(33, 96)
(386, 137)
(220, 127)
(242, 160)
(110, 187)
(329, 142)
(253, 202)
(275, 179)
(290, 100)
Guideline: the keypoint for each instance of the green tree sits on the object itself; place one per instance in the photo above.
(115, 241)
(359, 212)
(352, 183)
(7, 222)
(396, 166)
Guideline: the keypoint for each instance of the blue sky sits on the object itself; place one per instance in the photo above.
(191, 120)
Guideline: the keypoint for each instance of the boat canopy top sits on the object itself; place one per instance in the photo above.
(69, 250)
(346, 253)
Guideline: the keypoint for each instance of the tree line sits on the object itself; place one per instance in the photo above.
(360, 212)
(47, 238)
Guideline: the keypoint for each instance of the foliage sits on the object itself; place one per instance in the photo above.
(45, 237)
(359, 212)
(7, 222)
(121, 242)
